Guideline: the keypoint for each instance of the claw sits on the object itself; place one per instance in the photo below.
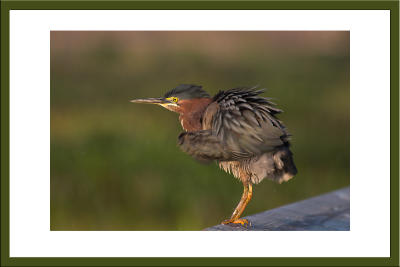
(243, 222)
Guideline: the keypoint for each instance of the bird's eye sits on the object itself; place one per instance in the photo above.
(175, 99)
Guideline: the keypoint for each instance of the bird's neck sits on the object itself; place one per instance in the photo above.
(191, 113)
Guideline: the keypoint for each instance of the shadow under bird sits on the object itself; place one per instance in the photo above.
(238, 129)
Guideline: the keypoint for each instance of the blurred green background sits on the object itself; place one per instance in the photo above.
(116, 166)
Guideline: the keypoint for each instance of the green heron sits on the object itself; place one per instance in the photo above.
(238, 129)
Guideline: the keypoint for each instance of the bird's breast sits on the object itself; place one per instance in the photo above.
(190, 122)
(183, 125)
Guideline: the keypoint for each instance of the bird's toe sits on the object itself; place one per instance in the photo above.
(237, 222)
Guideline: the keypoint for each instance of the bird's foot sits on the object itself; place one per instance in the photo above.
(243, 222)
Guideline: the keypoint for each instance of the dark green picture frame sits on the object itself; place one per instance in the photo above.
(393, 6)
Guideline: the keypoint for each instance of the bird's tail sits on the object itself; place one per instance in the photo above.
(285, 169)
(277, 165)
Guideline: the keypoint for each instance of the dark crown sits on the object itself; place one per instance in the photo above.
(187, 91)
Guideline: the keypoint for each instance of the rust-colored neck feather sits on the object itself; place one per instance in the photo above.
(191, 112)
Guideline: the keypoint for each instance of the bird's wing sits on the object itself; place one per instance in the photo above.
(203, 146)
(245, 123)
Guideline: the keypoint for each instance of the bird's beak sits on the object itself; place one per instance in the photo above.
(158, 101)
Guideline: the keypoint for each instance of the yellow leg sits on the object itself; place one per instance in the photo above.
(246, 196)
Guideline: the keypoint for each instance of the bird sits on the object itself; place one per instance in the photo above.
(238, 129)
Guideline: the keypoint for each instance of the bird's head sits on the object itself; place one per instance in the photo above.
(177, 99)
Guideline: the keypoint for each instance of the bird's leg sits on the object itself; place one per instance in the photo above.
(246, 196)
